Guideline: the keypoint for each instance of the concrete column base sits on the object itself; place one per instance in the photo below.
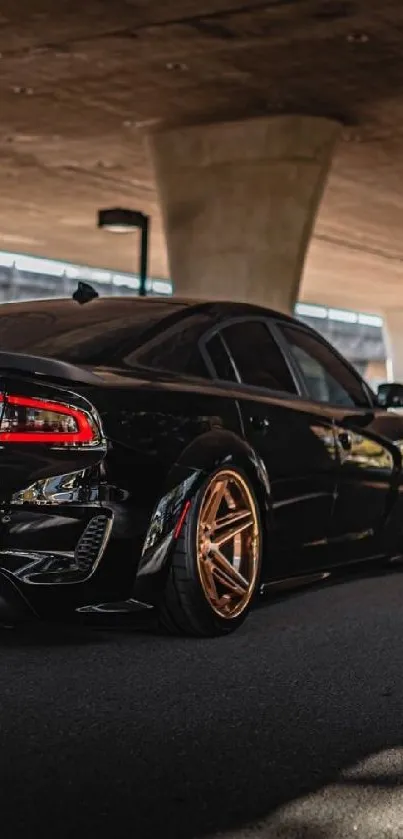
(239, 200)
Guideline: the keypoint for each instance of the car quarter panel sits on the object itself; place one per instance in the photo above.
(164, 438)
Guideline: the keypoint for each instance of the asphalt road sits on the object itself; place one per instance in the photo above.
(293, 727)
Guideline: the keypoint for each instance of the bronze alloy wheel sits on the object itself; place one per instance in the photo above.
(228, 544)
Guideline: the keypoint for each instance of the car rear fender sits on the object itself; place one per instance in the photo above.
(215, 449)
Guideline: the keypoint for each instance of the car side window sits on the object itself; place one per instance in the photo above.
(257, 356)
(223, 367)
(326, 378)
(174, 350)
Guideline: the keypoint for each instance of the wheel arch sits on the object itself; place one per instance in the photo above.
(218, 448)
(215, 449)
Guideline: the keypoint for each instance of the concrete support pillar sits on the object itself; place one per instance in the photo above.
(239, 200)
(393, 335)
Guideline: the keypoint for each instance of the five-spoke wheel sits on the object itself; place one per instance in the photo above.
(228, 544)
(215, 569)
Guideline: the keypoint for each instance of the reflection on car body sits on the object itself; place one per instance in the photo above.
(180, 456)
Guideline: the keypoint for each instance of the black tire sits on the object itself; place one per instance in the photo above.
(186, 608)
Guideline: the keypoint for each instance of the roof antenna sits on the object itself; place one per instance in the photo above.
(84, 293)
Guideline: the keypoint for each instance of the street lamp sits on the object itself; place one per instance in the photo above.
(119, 220)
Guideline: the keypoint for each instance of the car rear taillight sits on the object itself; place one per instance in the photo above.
(27, 420)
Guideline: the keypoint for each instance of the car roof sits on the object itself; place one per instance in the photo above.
(113, 303)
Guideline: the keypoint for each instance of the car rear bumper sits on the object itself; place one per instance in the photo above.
(55, 560)
(58, 546)
(64, 558)
(51, 558)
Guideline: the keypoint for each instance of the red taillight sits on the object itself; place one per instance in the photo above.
(26, 420)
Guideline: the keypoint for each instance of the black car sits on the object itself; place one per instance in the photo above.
(179, 456)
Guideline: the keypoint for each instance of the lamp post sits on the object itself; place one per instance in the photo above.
(119, 220)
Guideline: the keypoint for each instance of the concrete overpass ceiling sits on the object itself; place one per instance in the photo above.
(80, 83)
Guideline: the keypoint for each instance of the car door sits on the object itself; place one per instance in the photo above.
(294, 439)
(369, 461)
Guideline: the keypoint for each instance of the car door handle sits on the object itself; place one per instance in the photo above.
(259, 423)
(345, 440)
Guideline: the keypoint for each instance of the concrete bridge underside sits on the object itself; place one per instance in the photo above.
(81, 84)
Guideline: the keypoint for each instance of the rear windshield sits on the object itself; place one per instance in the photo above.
(97, 333)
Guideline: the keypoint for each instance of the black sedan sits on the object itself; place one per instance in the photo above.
(182, 457)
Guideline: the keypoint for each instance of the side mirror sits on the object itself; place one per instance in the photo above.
(390, 395)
